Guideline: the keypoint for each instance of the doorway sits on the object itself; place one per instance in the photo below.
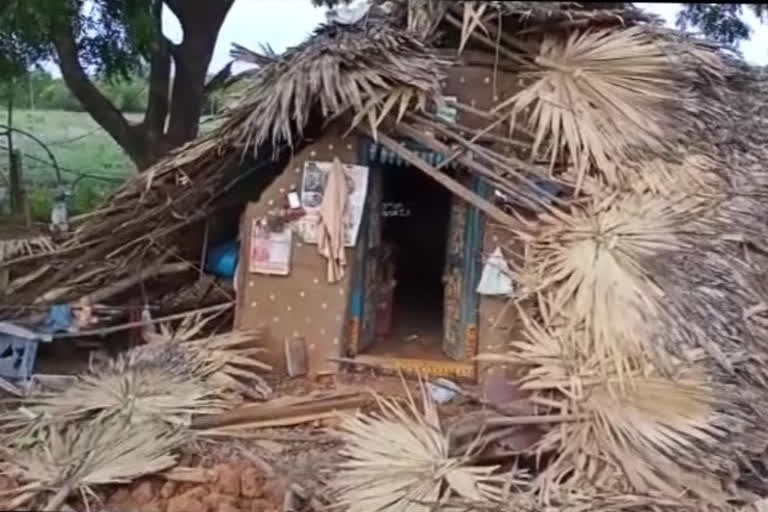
(415, 223)
(432, 255)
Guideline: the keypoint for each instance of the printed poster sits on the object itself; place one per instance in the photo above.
(312, 188)
(270, 252)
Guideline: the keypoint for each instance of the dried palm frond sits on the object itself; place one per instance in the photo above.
(651, 434)
(596, 95)
(138, 390)
(400, 459)
(594, 500)
(77, 457)
(336, 71)
(588, 269)
(693, 174)
(230, 359)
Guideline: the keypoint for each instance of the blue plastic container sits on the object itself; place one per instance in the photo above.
(222, 259)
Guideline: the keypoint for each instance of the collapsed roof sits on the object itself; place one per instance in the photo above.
(651, 266)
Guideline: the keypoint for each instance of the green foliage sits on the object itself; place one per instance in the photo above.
(114, 37)
(719, 22)
(38, 90)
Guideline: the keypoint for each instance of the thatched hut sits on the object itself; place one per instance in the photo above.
(617, 165)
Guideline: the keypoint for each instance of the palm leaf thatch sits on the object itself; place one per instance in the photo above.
(603, 500)
(595, 96)
(400, 459)
(655, 435)
(76, 457)
(231, 359)
(168, 387)
(368, 72)
(589, 270)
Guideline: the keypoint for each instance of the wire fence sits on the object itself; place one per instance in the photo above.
(43, 177)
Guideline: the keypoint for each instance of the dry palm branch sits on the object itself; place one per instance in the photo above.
(74, 458)
(401, 458)
(231, 358)
(166, 385)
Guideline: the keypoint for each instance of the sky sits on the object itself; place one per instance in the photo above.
(284, 23)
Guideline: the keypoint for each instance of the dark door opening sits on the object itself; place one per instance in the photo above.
(414, 235)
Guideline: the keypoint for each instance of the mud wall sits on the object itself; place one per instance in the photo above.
(301, 304)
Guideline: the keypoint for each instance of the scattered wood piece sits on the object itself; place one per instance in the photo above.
(142, 323)
(55, 382)
(239, 430)
(268, 415)
(454, 186)
(270, 446)
(187, 475)
(10, 388)
(155, 270)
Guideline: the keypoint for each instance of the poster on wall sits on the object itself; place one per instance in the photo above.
(270, 251)
(312, 188)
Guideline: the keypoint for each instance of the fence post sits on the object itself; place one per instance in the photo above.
(16, 184)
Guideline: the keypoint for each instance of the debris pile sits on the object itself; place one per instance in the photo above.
(126, 418)
(641, 285)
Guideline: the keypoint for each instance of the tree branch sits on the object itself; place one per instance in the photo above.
(97, 105)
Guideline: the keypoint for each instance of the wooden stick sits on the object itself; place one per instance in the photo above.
(236, 430)
(157, 269)
(474, 139)
(131, 325)
(10, 388)
(261, 413)
(204, 254)
(487, 207)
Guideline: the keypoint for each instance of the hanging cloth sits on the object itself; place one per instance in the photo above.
(495, 279)
(332, 209)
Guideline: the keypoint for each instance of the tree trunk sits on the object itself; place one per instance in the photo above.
(191, 59)
(158, 133)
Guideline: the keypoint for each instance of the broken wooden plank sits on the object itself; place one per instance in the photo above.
(238, 430)
(265, 412)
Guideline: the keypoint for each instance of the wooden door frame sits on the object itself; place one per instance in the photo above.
(368, 155)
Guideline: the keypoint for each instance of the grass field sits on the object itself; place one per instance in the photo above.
(91, 163)
(77, 142)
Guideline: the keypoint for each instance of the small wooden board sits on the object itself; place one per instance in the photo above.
(296, 358)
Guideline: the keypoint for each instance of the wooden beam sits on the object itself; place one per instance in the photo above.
(271, 413)
(454, 186)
